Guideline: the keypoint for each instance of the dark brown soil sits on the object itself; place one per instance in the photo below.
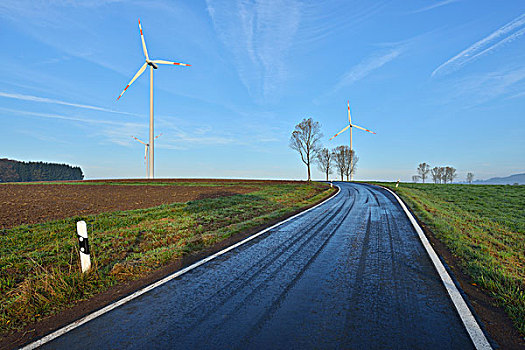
(36, 203)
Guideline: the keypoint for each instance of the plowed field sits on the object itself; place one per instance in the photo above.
(36, 203)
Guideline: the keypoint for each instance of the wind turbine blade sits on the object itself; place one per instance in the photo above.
(144, 143)
(355, 126)
(156, 137)
(349, 117)
(169, 62)
(141, 70)
(340, 132)
(143, 42)
(145, 153)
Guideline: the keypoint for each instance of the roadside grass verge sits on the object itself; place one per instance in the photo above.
(39, 267)
(483, 226)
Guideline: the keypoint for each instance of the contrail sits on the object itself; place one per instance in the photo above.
(58, 102)
(505, 34)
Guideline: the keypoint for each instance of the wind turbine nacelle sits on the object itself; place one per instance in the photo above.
(153, 65)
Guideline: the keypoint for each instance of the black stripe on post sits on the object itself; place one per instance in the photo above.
(83, 245)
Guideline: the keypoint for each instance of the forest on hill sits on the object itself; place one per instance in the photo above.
(16, 171)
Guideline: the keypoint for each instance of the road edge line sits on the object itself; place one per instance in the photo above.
(469, 321)
(108, 308)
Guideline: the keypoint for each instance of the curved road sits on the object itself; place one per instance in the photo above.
(350, 274)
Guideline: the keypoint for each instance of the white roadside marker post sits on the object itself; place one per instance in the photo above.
(85, 260)
(397, 183)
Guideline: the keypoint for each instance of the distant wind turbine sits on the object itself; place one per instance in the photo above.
(152, 65)
(146, 152)
(350, 125)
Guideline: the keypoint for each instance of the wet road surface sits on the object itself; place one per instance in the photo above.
(349, 274)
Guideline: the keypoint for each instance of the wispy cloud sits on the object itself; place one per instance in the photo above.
(107, 131)
(509, 32)
(259, 34)
(480, 88)
(367, 66)
(120, 132)
(184, 142)
(518, 95)
(59, 102)
(176, 137)
(435, 5)
(65, 117)
(320, 19)
(52, 23)
(42, 136)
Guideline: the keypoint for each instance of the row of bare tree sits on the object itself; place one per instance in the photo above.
(306, 140)
(441, 174)
(341, 157)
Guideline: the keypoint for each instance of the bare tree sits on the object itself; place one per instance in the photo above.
(305, 139)
(423, 170)
(341, 161)
(470, 177)
(436, 174)
(325, 159)
(450, 173)
(443, 171)
(415, 178)
(351, 165)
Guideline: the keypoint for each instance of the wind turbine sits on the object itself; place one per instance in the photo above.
(152, 65)
(146, 152)
(350, 125)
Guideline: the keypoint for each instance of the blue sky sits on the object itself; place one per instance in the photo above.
(441, 82)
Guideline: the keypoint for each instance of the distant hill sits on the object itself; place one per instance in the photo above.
(16, 171)
(508, 180)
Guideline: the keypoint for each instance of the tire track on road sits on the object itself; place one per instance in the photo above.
(242, 282)
(276, 303)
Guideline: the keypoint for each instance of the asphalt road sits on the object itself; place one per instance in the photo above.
(349, 274)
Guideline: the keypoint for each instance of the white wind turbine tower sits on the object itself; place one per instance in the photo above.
(146, 163)
(152, 65)
(350, 125)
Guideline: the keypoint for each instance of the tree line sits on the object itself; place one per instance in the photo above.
(442, 174)
(341, 157)
(306, 140)
(16, 171)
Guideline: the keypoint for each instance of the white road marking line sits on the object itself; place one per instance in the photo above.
(476, 334)
(138, 293)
